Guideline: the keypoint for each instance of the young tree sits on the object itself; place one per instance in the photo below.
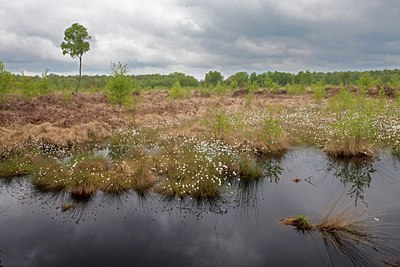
(6, 79)
(76, 44)
(119, 85)
(28, 86)
(44, 87)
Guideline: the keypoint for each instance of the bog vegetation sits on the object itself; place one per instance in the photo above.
(181, 137)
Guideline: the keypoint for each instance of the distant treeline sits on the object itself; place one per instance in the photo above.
(213, 78)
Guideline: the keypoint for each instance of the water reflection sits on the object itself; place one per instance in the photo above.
(126, 228)
(344, 249)
(250, 191)
(355, 173)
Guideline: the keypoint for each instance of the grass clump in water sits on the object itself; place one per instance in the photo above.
(270, 136)
(188, 171)
(201, 169)
(353, 135)
(134, 174)
(301, 222)
(249, 168)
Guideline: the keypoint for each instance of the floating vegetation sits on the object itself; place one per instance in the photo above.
(346, 233)
(300, 222)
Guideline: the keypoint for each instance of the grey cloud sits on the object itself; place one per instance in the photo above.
(196, 36)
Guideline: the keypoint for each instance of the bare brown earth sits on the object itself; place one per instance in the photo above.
(63, 121)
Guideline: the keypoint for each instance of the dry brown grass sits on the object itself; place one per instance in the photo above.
(349, 150)
(343, 218)
(83, 191)
(47, 133)
(131, 174)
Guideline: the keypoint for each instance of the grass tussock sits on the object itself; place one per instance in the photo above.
(349, 150)
(343, 219)
(202, 169)
(300, 222)
(353, 135)
(270, 136)
(338, 218)
(126, 175)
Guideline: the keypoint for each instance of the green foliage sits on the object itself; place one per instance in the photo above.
(213, 78)
(28, 86)
(178, 92)
(344, 100)
(271, 130)
(76, 43)
(241, 78)
(205, 92)
(220, 89)
(356, 126)
(302, 223)
(119, 85)
(270, 84)
(248, 98)
(219, 123)
(394, 82)
(295, 89)
(305, 78)
(43, 86)
(353, 135)
(6, 79)
(319, 93)
(250, 169)
(365, 82)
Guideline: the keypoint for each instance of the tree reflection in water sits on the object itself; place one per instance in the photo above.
(355, 173)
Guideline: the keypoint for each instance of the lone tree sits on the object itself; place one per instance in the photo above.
(76, 44)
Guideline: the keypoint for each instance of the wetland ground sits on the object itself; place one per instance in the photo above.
(197, 180)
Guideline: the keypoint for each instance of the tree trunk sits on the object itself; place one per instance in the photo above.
(80, 74)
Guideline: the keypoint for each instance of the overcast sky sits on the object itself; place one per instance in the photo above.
(195, 36)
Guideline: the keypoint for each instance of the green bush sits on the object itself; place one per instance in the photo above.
(319, 93)
(43, 86)
(119, 85)
(220, 89)
(295, 89)
(177, 92)
(28, 87)
(344, 100)
(271, 130)
(6, 80)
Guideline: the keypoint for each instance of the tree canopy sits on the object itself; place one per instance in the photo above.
(213, 78)
(76, 43)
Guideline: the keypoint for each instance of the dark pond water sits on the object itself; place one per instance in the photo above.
(240, 229)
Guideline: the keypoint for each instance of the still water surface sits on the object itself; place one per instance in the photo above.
(240, 229)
